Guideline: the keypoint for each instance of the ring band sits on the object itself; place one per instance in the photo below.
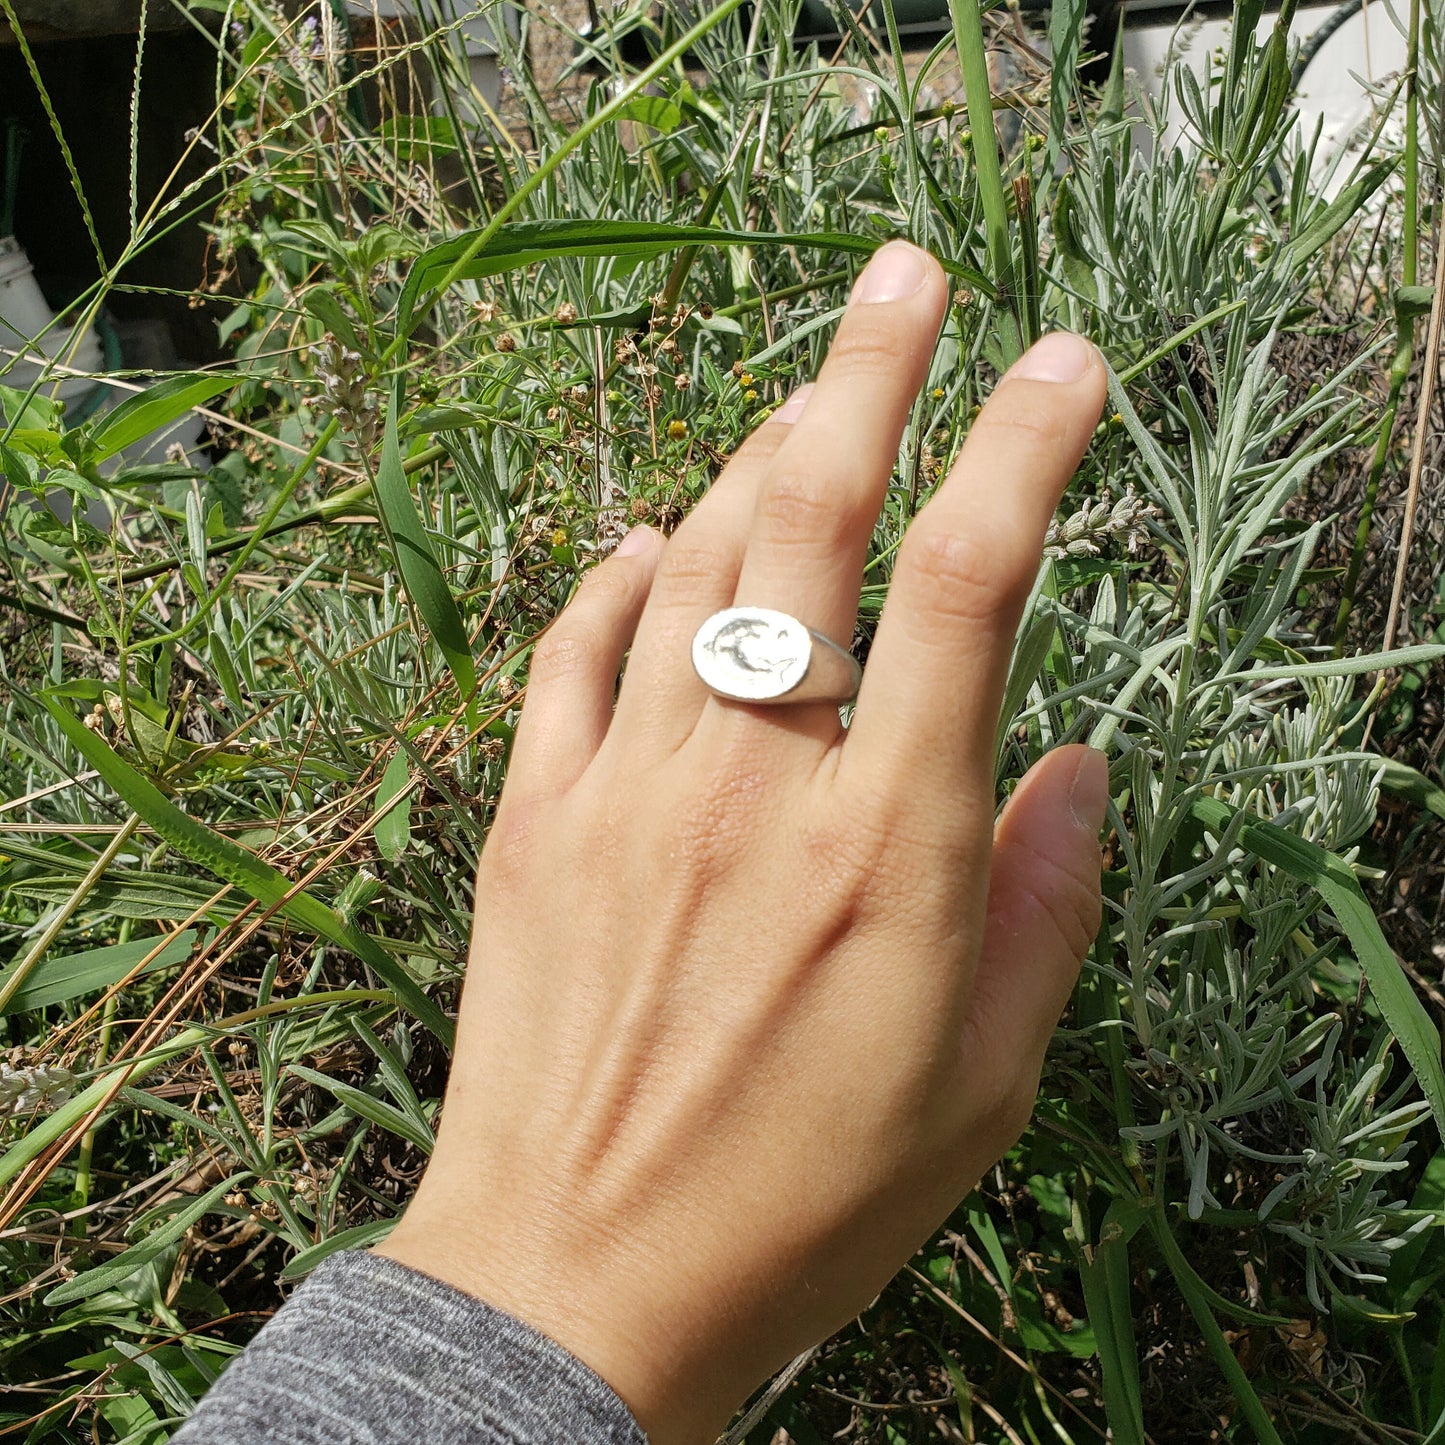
(754, 654)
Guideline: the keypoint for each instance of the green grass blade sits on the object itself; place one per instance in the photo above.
(242, 869)
(1030, 656)
(1437, 1432)
(157, 406)
(55, 1125)
(128, 1261)
(421, 573)
(56, 980)
(1104, 1273)
(523, 243)
(1191, 1287)
(1066, 27)
(1336, 883)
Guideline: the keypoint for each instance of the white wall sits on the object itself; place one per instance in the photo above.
(1367, 48)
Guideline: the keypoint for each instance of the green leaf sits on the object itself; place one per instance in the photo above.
(652, 110)
(1066, 27)
(157, 406)
(321, 302)
(20, 412)
(57, 979)
(1030, 656)
(359, 1236)
(138, 1255)
(1334, 881)
(1327, 222)
(1113, 98)
(1407, 1262)
(421, 573)
(419, 137)
(368, 1106)
(1421, 655)
(231, 862)
(1413, 301)
(393, 830)
(1407, 782)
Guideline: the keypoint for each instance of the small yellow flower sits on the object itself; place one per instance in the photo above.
(677, 430)
(746, 378)
(750, 395)
(937, 393)
(559, 536)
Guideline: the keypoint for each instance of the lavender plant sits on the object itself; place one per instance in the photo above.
(251, 738)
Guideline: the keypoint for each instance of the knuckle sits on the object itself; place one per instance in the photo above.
(846, 853)
(1015, 417)
(608, 588)
(690, 571)
(794, 503)
(759, 446)
(512, 842)
(968, 576)
(868, 349)
(572, 648)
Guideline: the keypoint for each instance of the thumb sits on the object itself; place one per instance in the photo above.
(1044, 900)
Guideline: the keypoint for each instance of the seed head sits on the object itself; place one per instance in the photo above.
(25, 1090)
(1088, 530)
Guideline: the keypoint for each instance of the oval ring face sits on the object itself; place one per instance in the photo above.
(753, 654)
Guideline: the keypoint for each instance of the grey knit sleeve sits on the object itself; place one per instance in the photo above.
(369, 1352)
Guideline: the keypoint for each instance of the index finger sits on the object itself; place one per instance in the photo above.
(928, 708)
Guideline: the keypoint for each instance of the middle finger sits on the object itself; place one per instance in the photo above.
(820, 496)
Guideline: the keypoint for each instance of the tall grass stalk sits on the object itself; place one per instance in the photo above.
(988, 176)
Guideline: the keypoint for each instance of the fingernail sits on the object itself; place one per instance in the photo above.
(1089, 795)
(1059, 356)
(896, 270)
(639, 539)
(792, 408)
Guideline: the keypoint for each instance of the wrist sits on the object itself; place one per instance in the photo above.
(668, 1391)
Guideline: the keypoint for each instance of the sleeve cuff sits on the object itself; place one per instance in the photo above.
(369, 1352)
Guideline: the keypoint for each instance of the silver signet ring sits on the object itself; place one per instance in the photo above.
(754, 654)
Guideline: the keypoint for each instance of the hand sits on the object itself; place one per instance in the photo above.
(753, 1001)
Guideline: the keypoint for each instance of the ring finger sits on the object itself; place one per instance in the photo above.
(660, 700)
